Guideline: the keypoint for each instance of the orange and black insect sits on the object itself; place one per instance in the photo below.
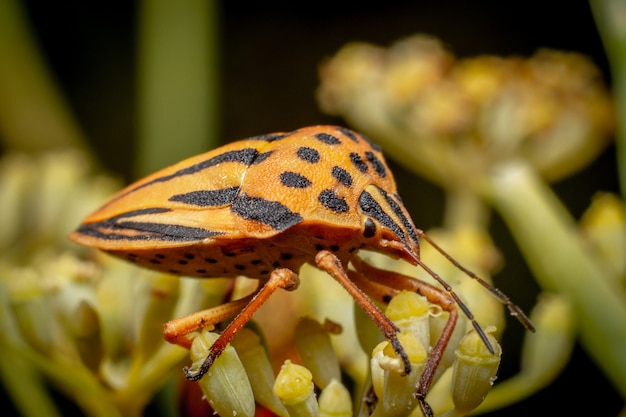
(261, 208)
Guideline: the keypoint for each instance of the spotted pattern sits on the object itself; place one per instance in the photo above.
(272, 213)
(308, 154)
(332, 201)
(378, 166)
(328, 139)
(358, 162)
(342, 176)
(294, 180)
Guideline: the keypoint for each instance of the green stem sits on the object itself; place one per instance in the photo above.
(610, 16)
(465, 208)
(177, 82)
(547, 236)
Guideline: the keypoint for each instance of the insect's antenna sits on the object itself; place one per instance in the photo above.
(468, 313)
(515, 310)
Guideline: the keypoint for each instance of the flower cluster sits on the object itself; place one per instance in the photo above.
(86, 323)
(91, 325)
(463, 116)
(493, 132)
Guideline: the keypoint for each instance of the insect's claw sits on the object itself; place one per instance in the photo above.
(196, 375)
(397, 347)
(426, 409)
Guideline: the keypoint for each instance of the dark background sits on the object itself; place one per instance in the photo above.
(270, 53)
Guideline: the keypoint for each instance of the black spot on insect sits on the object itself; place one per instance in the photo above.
(160, 256)
(240, 267)
(294, 180)
(286, 256)
(208, 198)
(350, 134)
(379, 167)
(256, 262)
(264, 272)
(182, 262)
(201, 271)
(210, 260)
(230, 254)
(342, 176)
(309, 155)
(387, 299)
(319, 247)
(189, 256)
(370, 207)
(358, 162)
(328, 139)
(319, 237)
(369, 228)
(276, 264)
(334, 248)
(332, 201)
(155, 261)
(268, 212)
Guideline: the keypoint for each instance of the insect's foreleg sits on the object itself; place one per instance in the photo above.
(397, 282)
(279, 278)
(327, 261)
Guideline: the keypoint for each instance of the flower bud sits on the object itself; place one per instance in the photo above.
(254, 358)
(294, 387)
(475, 370)
(315, 350)
(604, 226)
(225, 385)
(410, 312)
(398, 393)
(335, 401)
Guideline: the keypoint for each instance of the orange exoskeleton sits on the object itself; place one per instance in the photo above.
(261, 208)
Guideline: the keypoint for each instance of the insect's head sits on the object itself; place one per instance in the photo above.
(386, 225)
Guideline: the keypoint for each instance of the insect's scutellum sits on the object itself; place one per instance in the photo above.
(264, 206)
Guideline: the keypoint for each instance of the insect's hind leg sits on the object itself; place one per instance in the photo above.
(243, 309)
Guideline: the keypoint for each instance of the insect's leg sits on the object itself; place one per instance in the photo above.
(327, 261)
(176, 331)
(279, 278)
(379, 280)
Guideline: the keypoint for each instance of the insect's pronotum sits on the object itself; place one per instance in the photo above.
(261, 208)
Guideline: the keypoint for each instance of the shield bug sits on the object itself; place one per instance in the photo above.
(264, 206)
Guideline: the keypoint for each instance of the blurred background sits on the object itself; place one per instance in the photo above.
(269, 54)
